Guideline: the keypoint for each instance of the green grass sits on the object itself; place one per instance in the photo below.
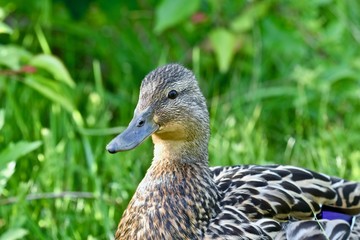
(287, 93)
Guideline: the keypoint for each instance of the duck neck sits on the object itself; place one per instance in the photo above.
(191, 152)
(176, 198)
(180, 169)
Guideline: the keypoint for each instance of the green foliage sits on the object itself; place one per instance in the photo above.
(281, 79)
(224, 43)
(14, 234)
(172, 12)
(54, 66)
(9, 156)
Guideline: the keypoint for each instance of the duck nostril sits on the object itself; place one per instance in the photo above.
(141, 123)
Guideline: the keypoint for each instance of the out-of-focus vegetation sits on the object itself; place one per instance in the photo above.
(281, 78)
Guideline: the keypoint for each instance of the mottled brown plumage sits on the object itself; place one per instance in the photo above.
(180, 197)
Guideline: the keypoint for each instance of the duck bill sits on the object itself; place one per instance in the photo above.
(140, 127)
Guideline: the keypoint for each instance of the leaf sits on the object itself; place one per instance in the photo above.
(246, 20)
(10, 155)
(5, 174)
(12, 56)
(223, 43)
(271, 92)
(171, 12)
(243, 23)
(54, 66)
(17, 150)
(5, 28)
(13, 234)
(2, 118)
(334, 74)
(53, 91)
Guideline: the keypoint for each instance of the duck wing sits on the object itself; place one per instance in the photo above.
(320, 230)
(272, 201)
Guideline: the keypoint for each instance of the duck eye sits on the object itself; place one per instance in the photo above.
(173, 94)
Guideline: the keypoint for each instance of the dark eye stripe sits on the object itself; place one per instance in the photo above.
(173, 94)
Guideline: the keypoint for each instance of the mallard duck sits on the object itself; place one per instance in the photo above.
(181, 197)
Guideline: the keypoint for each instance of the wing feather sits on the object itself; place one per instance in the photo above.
(281, 202)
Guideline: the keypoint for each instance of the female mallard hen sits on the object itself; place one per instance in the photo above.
(181, 197)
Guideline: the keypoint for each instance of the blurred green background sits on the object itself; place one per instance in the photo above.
(281, 78)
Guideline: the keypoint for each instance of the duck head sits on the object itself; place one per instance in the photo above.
(172, 109)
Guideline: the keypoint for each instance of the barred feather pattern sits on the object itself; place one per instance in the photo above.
(173, 201)
(282, 202)
(355, 229)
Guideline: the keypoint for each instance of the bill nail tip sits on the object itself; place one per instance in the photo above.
(110, 149)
